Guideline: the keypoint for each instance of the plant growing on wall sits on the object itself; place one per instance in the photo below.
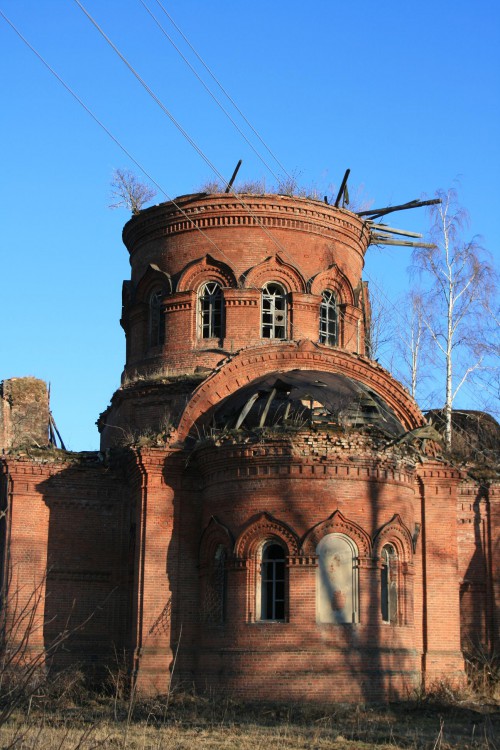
(128, 192)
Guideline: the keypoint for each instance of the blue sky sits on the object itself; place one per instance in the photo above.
(404, 94)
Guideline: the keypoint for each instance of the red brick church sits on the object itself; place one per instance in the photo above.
(269, 512)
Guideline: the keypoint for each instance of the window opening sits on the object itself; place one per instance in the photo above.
(328, 319)
(156, 319)
(273, 582)
(273, 312)
(211, 307)
(389, 584)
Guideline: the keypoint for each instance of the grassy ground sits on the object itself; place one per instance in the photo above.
(195, 722)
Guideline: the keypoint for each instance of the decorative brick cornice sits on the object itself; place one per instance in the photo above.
(302, 561)
(275, 269)
(337, 523)
(205, 212)
(261, 528)
(203, 270)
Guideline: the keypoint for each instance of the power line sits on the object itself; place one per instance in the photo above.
(209, 91)
(224, 90)
(185, 134)
(108, 132)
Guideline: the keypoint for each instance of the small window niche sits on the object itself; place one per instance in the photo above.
(214, 602)
(337, 580)
(389, 585)
(156, 318)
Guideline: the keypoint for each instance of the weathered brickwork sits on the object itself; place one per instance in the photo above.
(24, 413)
(269, 512)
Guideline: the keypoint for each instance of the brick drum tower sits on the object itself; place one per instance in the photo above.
(269, 510)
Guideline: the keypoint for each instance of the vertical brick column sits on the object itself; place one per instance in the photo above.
(442, 657)
(493, 590)
(304, 313)
(180, 323)
(239, 608)
(369, 610)
(242, 318)
(352, 329)
(155, 577)
(25, 555)
(302, 589)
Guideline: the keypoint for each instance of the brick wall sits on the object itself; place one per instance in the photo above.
(24, 412)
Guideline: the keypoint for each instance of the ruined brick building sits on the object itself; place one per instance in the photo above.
(268, 505)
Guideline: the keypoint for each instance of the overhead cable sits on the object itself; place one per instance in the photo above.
(185, 134)
(224, 90)
(209, 91)
(108, 132)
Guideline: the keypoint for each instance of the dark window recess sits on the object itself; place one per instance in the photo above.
(389, 585)
(273, 583)
(273, 312)
(156, 319)
(211, 311)
(328, 319)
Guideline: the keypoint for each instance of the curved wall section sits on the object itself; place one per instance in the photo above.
(294, 244)
(322, 500)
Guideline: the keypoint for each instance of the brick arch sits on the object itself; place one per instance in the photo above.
(241, 369)
(333, 279)
(214, 535)
(153, 277)
(265, 528)
(336, 524)
(394, 532)
(206, 269)
(274, 269)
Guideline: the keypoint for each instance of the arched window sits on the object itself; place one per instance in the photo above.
(273, 312)
(272, 582)
(214, 604)
(337, 580)
(156, 318)
(389, 585)
(328, 319)
(211, 305)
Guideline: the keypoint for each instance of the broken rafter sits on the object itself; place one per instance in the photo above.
(231, 181)
(52, 429)
(379, 239)
(392, 230)
(342, 188)
(374, 213)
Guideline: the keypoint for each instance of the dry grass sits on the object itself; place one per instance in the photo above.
(188, 721)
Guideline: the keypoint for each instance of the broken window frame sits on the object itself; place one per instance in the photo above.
(274, 311)
(328, 319)
(210, 311)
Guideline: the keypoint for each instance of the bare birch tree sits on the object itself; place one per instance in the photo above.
(413, 339)
(461, 287)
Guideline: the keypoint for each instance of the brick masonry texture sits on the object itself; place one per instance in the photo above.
(155, 548)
